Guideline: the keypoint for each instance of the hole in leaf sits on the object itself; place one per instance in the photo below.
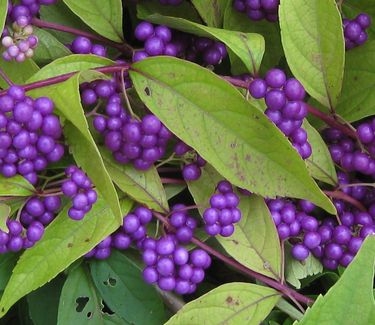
(106, 309)
(89, 314)
(110, 282)
(147, 91)
(81, 303)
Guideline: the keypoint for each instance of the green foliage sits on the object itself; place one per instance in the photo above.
(314, 46)
(232, 303)
(251, 151)
(103, 17)
(15, 186)
(351, 299)
(120, 283)
(212, 14)
(28, 68)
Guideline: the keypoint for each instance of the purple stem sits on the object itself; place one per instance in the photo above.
(288, 292)
(125, 48)
(342, 196)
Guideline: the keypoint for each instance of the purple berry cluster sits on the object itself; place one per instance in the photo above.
(79, 188)
(83, 45)
(258, 9)
(30, 134)
(133, 230)
(183, 224)
(285, 106)
(355, 30)
(17, 37)
(223, 212)
(171, 266)
(191, 170)
(161, 40)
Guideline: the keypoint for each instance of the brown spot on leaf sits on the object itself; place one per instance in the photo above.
(147, 91)
(87, 240)
(70, 245)
(235, 242)
(229, 300)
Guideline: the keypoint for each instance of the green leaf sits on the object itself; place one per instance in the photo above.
(12, 70)
(313, 41)
(255, 242)
(5, 211)
(213, 12)
(320, 163)
(80, 302)
(234, 20)
(296, 270)
(249, 48)
(70, 63)
(49, 48)
(7, 263)
(212, 117)
(81, 144)
(104, 17)
(122, 287)
(64, 241)
(43, 303)
(15, 186)
(230, 304)
(350, 300)
(143, 186)
(358, 98)
(3, 13)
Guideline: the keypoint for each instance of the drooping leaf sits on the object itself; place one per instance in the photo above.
(104, 17)
(122, 287)
(70, 63)
(320, 163)
(49, 48)
(351, 299)
(81, 144)
(64, 241)
(358, 98)
(143, 186)
(43, 303)
(80, 303)
(231, 304)
(234, 137)
(296, 270)
(249, 48)
(234, 20)
(7, 263)
(313, 42)
(213, 12)
(12, 70)
(15, 186)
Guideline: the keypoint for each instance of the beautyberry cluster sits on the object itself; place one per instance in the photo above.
(161, 40)
(171, 266)
(223, 212)
(191, 170)
(30, 134)
(285, 106)
(79, 188)
(83, 45)
(355, 30)
(258, 9)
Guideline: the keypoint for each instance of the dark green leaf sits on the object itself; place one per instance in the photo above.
(212, 12)
(350, 300)
(7, 263)
(49, 48)
(234, 20)
(122, 287)
(104, 17)
(358, 97)
(249, 48)
(234, 137)
(320, 163)
(230, 304)
(70, 63)
(12, 70)
(143, 186)
(44, 302)
(64, 241)
(80, 302)
(313, 41)
(15, 186)
(81, 144)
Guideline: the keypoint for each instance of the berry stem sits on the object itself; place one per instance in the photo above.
(342, 196)
(125, 48)
(285, 290)
(166, 180)
(5, 77)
